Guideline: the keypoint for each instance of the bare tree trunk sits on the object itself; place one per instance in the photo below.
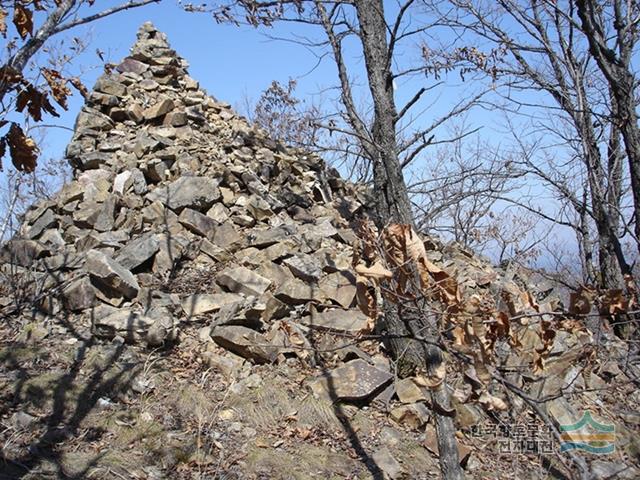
(615, 67)
(393, 205)
(393, 199)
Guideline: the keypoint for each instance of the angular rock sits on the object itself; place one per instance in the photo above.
(226, 235)
(388, 464)
(229, 364)
(264, 238)
(197, 222)
(200, 303)
(138, 251)
(197, 193)
(130, 325)
(110, 275)
(296, 292)
(92, 119)
(131, 65)
(160, 109)
(46, 220)
(354, 381)
(339, 287)
(350, 321)
(79, 295)
(409, 392)
(414, 415)
(245, 342)
(243, 280)
(110, 87)
(304, 266)
(22, 252)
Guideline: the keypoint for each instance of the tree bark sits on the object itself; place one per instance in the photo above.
(393, 205)
(616, 70)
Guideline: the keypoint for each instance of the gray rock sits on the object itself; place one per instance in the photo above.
(339, 287)
(92, 119)
(243, 280)
(389, 465)
(198, 193)
(130, 325)
(79, 295)
(110, 275)
(176, 119)
(46, 220)
(197, 222)
(22, 420)
(110, 87)
(131, 65)
(245, 342)
(267, 237)
(304, 267)
(138, 251)
(351, 321)
(296, 292)
(161, 108)
(23, 252)
(229, 364)
(355, 381)
(200, 303)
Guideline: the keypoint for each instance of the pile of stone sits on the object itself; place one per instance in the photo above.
(170, 182)
(165, 174)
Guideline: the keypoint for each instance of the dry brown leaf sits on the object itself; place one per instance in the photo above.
(547, 336)
(432, 379)
(35, 101)
(460, 338)
(365, 297)
(3, 22)
(58, 86)
(613, 302)
(23, 150)
(23, 20)
(10, 76)
(581, 302)
(376, 271)
(471, 377)
(78, 85)
(491, 402)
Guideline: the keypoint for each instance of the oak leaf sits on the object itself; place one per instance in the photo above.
(58, 86)
(376, 271)
(3, 22)
(23, 20)
(23, 150)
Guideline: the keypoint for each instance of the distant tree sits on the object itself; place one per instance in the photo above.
(286, 117)
(544, 62)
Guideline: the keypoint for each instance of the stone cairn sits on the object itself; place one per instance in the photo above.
(180, 211)
(165, 175)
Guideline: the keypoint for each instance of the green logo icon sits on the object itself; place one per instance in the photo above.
(588, 435)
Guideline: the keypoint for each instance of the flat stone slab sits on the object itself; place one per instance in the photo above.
(245, 342)
(198, 193)
(243, 280)
(305, 267)
(138, 251)
(356, 380)
(351, 321)
(111, 274)
(207, 302)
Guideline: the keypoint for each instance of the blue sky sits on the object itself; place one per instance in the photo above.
(229, 62)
